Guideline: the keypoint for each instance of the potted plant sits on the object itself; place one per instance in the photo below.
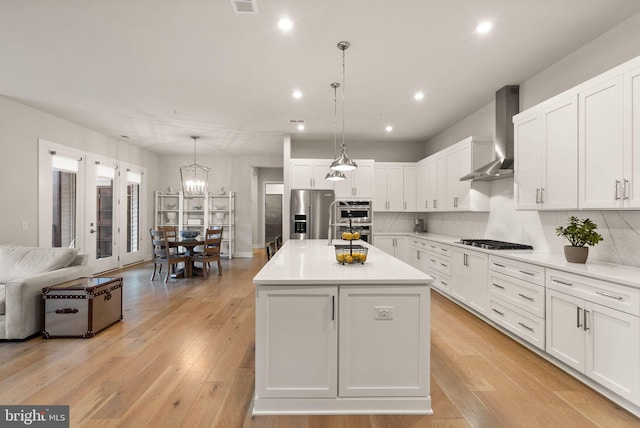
(580, 233)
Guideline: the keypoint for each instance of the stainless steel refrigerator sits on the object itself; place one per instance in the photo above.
(310, 213)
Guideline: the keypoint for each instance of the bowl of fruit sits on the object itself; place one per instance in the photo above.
(350, 254)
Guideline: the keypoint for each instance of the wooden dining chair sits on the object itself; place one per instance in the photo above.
(210, 250)
(271, 249)
(162, 255)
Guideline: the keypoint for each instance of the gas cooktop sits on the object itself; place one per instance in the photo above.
(490, 244)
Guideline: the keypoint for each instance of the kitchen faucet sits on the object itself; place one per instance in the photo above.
(330, 222)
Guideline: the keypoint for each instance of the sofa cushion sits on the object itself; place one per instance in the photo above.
(20, 262)
(3, 297)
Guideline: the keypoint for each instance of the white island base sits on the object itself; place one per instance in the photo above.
(333, 339)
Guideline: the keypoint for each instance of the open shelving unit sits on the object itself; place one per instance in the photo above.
(196, 213)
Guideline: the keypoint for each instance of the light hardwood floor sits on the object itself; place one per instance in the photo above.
(184, 357)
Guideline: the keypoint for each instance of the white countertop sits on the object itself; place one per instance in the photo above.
(313, 262)
(621, 274)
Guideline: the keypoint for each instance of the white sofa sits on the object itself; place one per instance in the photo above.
(24, 272)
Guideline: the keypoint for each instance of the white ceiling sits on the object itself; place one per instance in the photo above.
(159, 71)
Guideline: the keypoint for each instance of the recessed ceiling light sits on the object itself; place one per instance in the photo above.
(484, 27)
(301, 127)
(285, 24)
(297, 94)
(388, 128)
(418, 96)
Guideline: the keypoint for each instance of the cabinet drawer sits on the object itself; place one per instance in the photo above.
(421, 244)
(438, 263)
(609, 294)
(520, 270)
(441, 282)
(438, 248)
(528, 327)
(521, 294)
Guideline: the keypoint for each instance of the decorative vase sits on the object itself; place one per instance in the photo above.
(576, 254)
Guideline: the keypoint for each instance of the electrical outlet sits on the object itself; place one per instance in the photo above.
(25, 225)
(383, 312)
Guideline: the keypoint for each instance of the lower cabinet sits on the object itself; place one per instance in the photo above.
(594, 327)
(342, 341)
(396, 245)
(469, 270)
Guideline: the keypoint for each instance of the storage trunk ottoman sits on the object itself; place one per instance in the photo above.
(82, 307)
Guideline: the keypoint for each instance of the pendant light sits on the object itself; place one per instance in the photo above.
(195, 178)
(334, 175)
(343, 162)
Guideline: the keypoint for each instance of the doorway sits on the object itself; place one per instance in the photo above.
(273, 203)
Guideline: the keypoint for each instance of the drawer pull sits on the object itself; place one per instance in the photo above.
(527, 273)
(496, 285)
(586, 314)
(443, 283)
(525, 297)
(432, 261)
(562, 282)
(498, 312)
(67, 311)
(602, 293)
(498, 264)
(443, 264)
(525, 326)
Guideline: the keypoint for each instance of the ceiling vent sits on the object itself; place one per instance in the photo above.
(296, 121)
(245, 7)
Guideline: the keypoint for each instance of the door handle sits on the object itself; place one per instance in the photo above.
(542, 195)
(586, 314)
(537, 195)
(333, 308)
(578, 310)
(92, 231)
(625, 183)
(617, 196)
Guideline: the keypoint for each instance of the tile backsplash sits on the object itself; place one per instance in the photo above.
(620, 229)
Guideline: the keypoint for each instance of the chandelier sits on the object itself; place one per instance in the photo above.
(343, 162)
(195, 178)
(335, 175)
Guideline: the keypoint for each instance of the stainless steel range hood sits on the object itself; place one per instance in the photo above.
(507, 105)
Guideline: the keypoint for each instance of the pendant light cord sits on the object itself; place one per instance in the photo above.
(335, 86)
(343, 88)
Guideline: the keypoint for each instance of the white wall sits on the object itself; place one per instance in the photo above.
(263, 175)
(620, 229)
(232, 172)
(20, 128)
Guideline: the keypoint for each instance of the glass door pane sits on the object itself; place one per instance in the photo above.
(104, 211)
(64, 197)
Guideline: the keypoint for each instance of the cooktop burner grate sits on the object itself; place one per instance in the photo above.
(491, 244)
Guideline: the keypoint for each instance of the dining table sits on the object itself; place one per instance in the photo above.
(189, 244)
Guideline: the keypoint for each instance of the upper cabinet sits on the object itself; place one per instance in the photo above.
(394, 187)
(359, 182)
(546, 156)
(581, 149)
(310, 173)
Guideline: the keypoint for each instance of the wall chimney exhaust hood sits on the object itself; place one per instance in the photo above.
(507, 105)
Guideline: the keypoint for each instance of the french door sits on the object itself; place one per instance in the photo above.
(92, 203)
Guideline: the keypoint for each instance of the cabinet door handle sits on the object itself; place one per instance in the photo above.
(405, 205)
(625, 194)
(527, 273)
(418, 254)
(602, 293)
(542, 195)
(455, 202)
(578, 310)
(537, 195)
(498, 312)
(617, 190)
(435, 203)
(525, 297)
(526, 326)
(426, 204)
(333, 308)
(496, 285)
(586, 314)
(563, 282)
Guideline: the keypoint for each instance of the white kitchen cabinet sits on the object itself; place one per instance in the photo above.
(359, 182)
(381, 321)
(546, 156)
(517, 298)
(435, 260)
(297, 341)
(388, 188)
(593, 327)
(423, 185)
(469, 278)
(603, 179)
(632, 135)
(395, 245)
(410, 188)
(438, 182)
(417, 254)
(461, 159)
(310, 173)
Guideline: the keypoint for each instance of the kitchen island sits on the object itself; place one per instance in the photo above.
(341, 339)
